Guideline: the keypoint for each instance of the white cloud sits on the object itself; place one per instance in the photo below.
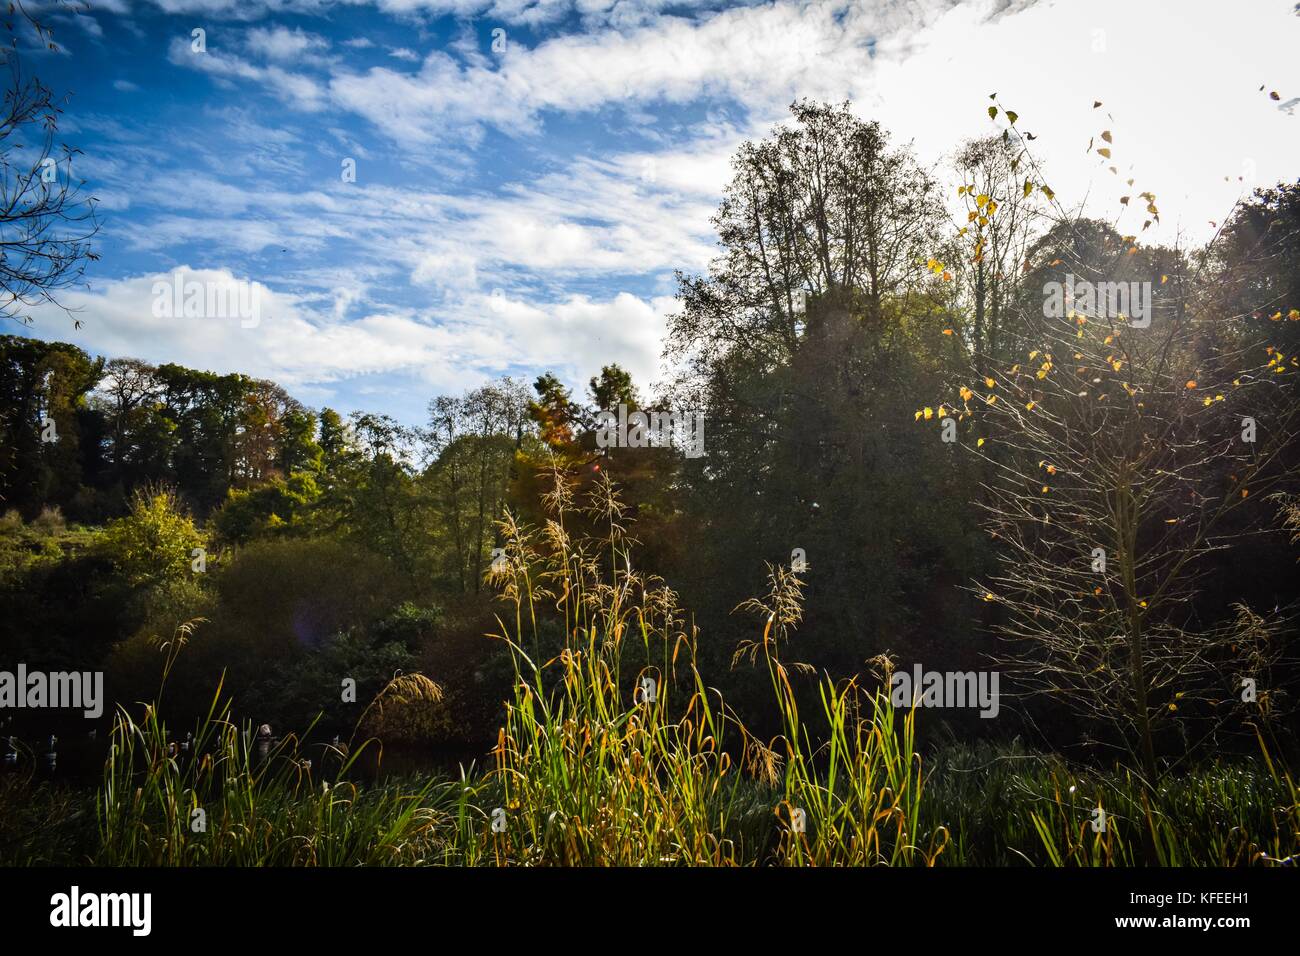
(283, 44)
(759, 56)
(296, 89)
(565, 231)
(304, 348)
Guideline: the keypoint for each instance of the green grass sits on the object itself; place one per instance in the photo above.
(1007, 806)
(588, 770)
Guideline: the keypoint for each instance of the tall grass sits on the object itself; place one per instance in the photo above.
(594, 769)
(1007, 806)
(230, 798)
(615, 752)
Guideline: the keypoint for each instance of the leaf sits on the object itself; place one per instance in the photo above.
(980, 443)
(1029, 188)
(1104, 152)
(1012, 117)
(993, 112)
(1105, 134)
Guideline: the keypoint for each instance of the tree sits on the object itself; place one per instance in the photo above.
(1119, 456)
(1002, 220)
(155, 543)
(474, 440)
(814, 320)
(818, 206)
(46, 225)
(43, 388)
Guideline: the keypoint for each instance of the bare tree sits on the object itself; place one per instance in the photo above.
(1119, 456)
(46, 223)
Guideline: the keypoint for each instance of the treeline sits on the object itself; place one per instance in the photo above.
(848, 328)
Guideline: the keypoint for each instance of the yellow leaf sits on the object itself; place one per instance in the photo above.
(929, 413)
(980, 443)
(990, 383)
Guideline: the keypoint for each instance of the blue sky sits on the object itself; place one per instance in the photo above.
(522, 209)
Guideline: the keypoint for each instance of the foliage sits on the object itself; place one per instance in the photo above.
(155, 543)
